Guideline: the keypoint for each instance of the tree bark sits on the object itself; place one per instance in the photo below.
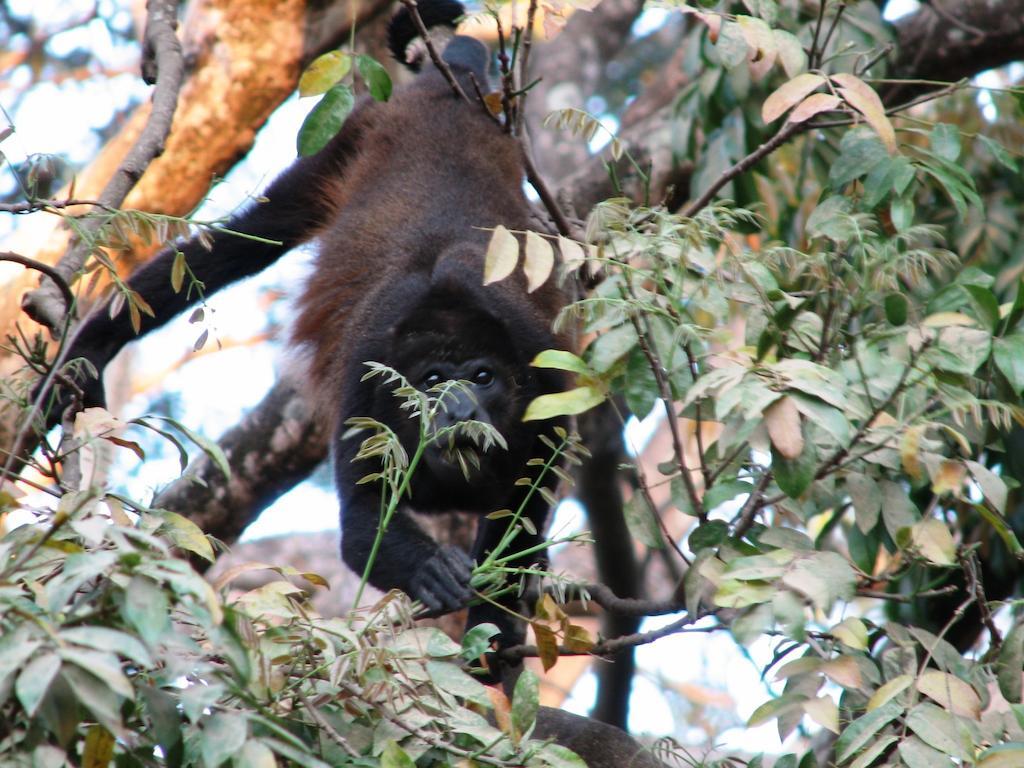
(245, 57)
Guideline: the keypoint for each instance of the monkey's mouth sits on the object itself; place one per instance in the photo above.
(466, 456)
(458, 456)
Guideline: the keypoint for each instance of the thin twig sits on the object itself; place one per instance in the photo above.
(435, 57)
(550, 204)
(970, 566)
(524, 61)
(787, 131)
(601, 595)
(327, 728)
(831, 31)
(657, 368)
(515, 653)
(34, 206)
(162, 54)
(815, 55)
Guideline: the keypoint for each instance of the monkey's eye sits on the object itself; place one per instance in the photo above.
(483, 377)
(432, 379)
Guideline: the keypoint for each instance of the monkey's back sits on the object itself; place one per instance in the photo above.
(411, 190)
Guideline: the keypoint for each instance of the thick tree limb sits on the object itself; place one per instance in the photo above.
(951, 39)
(275, 446)
(571, 67)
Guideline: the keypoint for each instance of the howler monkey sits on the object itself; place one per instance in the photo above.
(400, 202)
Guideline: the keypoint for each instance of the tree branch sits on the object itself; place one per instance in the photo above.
(161, 54)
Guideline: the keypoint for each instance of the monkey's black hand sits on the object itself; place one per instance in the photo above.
(442, 582)
(61, 395)
(511, 632)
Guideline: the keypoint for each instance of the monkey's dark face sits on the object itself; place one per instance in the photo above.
(483, 395)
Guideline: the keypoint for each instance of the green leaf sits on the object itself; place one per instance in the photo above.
(557, 756)
(564, 403)
(255, 754)
(105, 639)
(323, 72)
(448, 677)
(525, 702)
(860, 732)
(35, 679)
(146, 609)
(917, 754)
(993, 487)
(1010, 666)
(394, 756)
(896, 306)
(477, 641)
(941, 730)
(986, 305)
(375, 76)
(860, 152)
(325, 119)
(945, 141)
(1008, 353)
(96, 696)
(207, 446)
(999, 153)
(223, 735)
(731, 45)
(831, 219)
(795, 476)
(898, 511)
(901, 210)
(708, 535)
(562, 361)
(640, 519)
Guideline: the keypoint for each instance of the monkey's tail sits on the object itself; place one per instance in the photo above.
(402, 31)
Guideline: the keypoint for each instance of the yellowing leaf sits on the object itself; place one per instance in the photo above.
(783, 422)
(502, 255)
(564, 403)
(814, 104)
(789, 94)
(910, 448)
(949, 478)
(824, 712)
(572, 253)
(493, 103)
(324, 72)
(950, 692)
(889, 691)
(864, 99)
(547, 645)
(538, 262)
(933, 541)
(844, 671)
(791, 53)
(578, 639)
(760, 39)
(851, 632)
(1002, 756)
(944, 319)
(562, 361)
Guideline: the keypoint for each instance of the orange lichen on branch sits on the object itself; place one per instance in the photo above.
(247, 56)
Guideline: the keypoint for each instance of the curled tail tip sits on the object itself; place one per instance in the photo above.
(402, 30)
